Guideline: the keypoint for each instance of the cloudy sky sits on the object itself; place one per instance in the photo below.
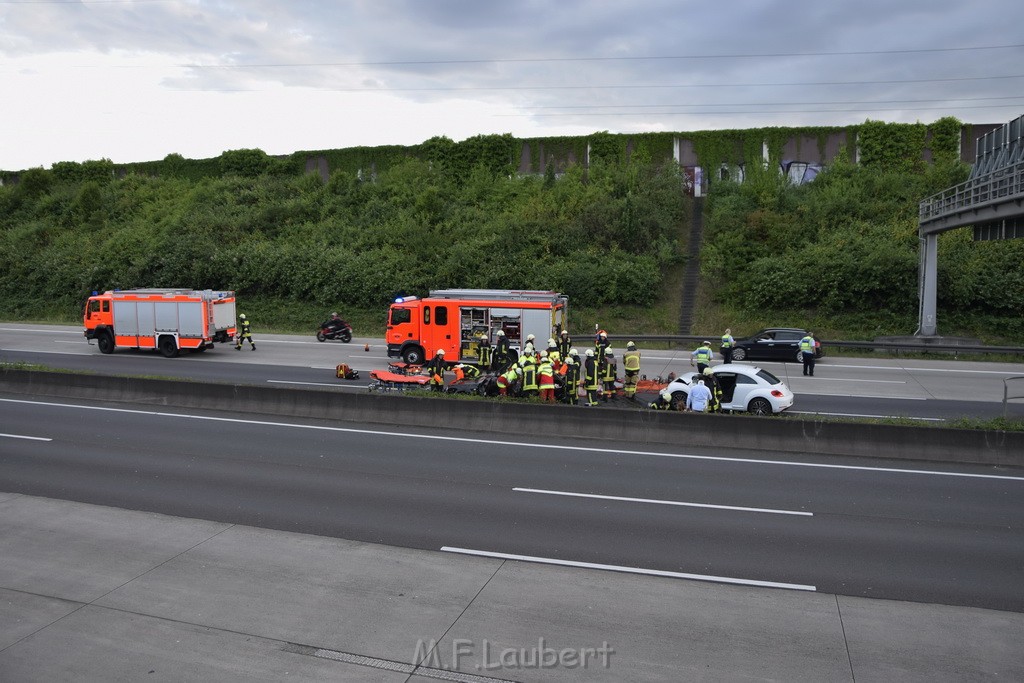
(135, 80)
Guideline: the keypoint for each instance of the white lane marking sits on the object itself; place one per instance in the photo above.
(894, 398)
(902, 417)
(665, 502)
(842, 379)
(517, 444)
(85, 350)
(61, 341)
(320, 384)
(30, 438)
(628, 570)
(898, 368)
(19, 329)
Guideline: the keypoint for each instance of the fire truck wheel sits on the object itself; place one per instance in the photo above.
(105, 342)
(168, 347)
(413, 355)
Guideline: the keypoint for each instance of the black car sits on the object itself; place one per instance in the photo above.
(773, 343)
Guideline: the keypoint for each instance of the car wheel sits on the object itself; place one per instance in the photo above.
(799, 356)
(739, 354)
(678, 400)
(760, 406)
(106, 342)
(413, 355)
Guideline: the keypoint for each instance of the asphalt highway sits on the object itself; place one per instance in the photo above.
(928, 390)
(920, 532)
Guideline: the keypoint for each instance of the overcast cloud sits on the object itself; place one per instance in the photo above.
(135, 80)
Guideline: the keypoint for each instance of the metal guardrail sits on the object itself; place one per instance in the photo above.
(1006, 392)
(997, 186)
(875, 345)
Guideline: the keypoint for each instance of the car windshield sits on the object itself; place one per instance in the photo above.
(768, 377)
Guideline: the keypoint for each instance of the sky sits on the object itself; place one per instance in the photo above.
(136, 80)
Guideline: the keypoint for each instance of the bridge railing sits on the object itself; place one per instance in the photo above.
(995, 186)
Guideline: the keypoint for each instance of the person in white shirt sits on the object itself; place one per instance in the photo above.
(698, 398)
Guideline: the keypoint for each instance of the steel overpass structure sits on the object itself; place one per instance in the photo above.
(991, 200)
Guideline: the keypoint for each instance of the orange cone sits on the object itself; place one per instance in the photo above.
(366, 348)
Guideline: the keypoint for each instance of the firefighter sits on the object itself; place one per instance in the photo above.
(609, 370)
(631, 365)
(591, 378)
(564, 344)
(703, 355)
(483, 351)
(530, 349)
(601, 343)
(575, 355)
(664, 401)
(501, 352)
(546, 378)
(572, 381)
(435, 368)
(553, 355)
(244, 332)
(507, 380)
(715, 387)
(529, 366)
(464, 371)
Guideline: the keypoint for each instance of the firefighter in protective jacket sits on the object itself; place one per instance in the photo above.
(435, 368)
(244, 332)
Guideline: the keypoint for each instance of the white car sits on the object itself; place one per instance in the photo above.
(744, 388)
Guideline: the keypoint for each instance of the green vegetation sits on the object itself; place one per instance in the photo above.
(838, 255)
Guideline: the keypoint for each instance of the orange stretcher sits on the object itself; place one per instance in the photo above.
(383, 380)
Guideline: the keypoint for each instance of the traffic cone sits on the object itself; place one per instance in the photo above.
(366, 348)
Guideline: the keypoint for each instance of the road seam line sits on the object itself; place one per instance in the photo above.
(627, 499)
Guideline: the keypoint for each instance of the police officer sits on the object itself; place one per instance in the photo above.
(591, 378)
(702, 354)
(631, 365)
(435, 368)
(244, 332)
(807, 354)
(727, 345)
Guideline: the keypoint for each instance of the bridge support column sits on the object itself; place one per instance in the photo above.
(929, 284)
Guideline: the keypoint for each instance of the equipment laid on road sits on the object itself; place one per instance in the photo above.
(392, 381)
(456, 320)
(164, 319)
(344, 371)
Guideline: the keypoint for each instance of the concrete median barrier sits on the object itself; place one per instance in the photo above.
(522, 421)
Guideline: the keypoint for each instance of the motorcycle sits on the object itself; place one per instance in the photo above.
(334, 329)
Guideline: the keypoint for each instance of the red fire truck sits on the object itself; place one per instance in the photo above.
(456, 319)
(164, 319)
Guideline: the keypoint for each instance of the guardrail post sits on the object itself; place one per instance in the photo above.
(929, 284)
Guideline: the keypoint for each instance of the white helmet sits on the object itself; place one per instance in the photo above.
(609, 352)
(630, 345)
(551, 342)
(570, 361)
(543, 354)
(590, 353)
(459, 365)
(530, 337)
(440, 352)
(501, 333)
(574, 352)
(666, 395)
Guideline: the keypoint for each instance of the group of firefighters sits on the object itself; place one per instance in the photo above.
(556, 372)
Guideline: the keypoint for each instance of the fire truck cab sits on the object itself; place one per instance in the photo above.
(455, 320)
(164, 319)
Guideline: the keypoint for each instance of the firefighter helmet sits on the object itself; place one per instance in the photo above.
(440, 352)
(574, 352)
(570, 361)
(530, 337)
(565, 332)
(543, 354)
(609, 352)
(501, 333)
(602, 333)
(241, 316)
(630, 345)
(590, 353)
(707, 371)
(666, 395)
(551, 342)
